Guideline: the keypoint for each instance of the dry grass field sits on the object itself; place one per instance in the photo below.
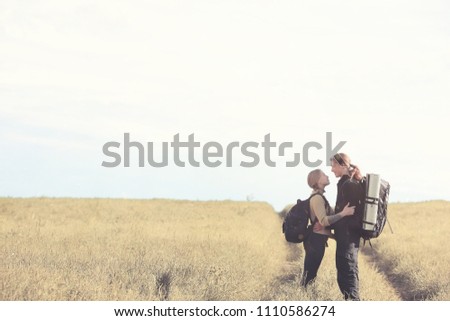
(112, 249)
(415, 258)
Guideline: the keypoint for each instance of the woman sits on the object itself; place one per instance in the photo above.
(322, 217)
(347, 231)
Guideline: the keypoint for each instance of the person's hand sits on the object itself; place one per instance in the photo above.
(348, 210)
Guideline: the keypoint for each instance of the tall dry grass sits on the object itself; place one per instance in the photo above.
(415, 258)
(105, 249)
(81, 249)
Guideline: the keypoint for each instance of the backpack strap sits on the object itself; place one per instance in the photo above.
(370, 243)
(326, 205)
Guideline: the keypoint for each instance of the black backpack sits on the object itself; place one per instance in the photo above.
(381, 218)
(295, 224)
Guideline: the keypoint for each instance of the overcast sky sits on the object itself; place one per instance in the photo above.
(77, 74)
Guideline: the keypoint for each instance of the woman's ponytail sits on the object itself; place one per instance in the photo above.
(355, 172)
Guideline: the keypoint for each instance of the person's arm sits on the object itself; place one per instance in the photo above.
(348, 210)
(319, 209)
(317, 204)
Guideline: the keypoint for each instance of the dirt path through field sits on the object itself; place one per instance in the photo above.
(385, 267)
(376, 280)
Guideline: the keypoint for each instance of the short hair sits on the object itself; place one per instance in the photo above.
(313, 178)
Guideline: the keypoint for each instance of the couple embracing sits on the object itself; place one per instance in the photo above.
(345, 220)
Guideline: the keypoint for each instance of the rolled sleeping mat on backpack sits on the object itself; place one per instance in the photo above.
(371, 203)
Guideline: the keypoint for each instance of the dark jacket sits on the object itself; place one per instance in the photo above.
(349, 191)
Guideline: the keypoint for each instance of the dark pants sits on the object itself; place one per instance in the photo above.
(347, 246)
(315, 249)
